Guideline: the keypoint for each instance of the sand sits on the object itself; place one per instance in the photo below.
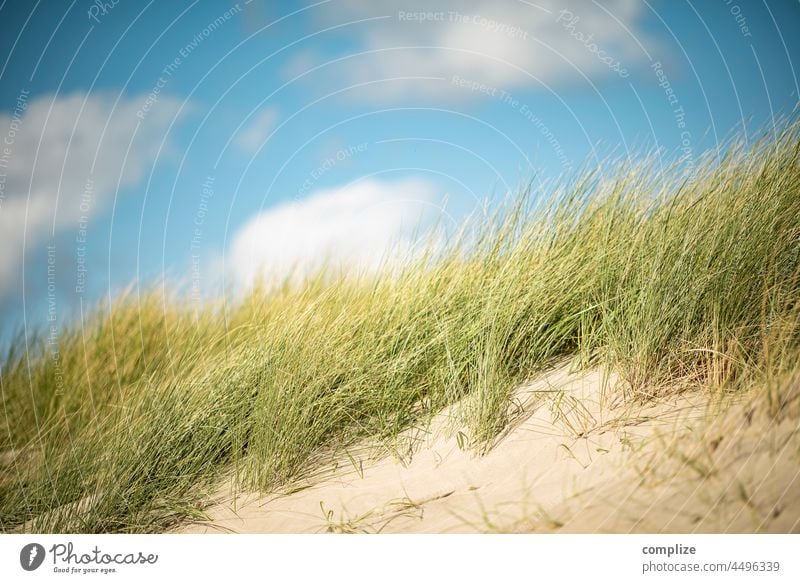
(572, 460)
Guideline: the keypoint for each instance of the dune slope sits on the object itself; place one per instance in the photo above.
(576, 458)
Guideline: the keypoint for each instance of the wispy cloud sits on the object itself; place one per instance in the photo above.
(358, 225)
(251, 137)
(505, 44)
(68, 157)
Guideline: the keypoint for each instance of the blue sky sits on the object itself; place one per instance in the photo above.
(208, 142)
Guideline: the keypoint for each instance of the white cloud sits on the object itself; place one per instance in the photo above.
(505, 44)
(250, 138)
(67, 157)
(358, 226)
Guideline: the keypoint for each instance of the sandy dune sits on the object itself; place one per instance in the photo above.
(572, 460)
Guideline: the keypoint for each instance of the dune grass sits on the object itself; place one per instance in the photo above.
(673, 281)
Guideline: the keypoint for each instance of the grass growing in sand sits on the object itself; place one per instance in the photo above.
(673, 282)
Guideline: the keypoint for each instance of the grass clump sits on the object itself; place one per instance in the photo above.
(671, 280)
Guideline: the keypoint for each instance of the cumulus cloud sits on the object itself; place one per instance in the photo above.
(64, 160)
(359, 226)
(254, 134)
(505, 44)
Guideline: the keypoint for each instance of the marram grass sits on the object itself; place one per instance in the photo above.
(673, 281)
